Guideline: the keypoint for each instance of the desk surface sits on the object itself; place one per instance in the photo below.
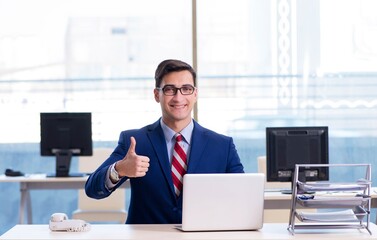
(167, 231)
(41, 178)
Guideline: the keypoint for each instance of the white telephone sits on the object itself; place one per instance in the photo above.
(60, 222)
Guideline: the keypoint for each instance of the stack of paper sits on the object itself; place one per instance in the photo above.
(338, 216)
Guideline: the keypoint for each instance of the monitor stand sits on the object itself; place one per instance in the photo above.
(63, 163)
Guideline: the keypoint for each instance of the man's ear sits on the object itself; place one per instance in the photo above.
(156, 95)
(196, 95)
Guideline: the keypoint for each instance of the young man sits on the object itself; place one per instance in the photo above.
(150, 158)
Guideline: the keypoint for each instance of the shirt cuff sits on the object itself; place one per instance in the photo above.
(109, 184)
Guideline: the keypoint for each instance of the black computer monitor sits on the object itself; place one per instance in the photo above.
(65, 135)
(288, 146)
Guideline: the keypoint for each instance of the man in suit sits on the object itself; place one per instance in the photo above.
(144, 156)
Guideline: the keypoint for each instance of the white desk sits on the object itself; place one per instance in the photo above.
(40, 181)
(167, 231)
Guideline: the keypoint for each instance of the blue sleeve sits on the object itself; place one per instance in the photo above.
(234, 161)
(95, 186)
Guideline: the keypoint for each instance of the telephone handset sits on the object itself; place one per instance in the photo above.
(60, 222)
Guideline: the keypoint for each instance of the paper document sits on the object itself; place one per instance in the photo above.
(341, 216)
(331, 187)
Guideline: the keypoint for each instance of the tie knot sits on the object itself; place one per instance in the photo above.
(178, 137)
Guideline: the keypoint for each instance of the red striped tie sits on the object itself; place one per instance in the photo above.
(179, 165)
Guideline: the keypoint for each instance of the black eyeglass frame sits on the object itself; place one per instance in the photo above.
(175, 89)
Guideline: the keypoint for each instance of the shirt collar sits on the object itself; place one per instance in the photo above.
(186, 132)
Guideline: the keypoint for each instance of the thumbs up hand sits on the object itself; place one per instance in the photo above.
(132, 165)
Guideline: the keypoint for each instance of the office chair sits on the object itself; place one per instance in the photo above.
(110, 209)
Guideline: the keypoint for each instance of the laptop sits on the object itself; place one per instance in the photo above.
(222, 202)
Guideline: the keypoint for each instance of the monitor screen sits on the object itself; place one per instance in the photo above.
(65, 135)
(288, 146)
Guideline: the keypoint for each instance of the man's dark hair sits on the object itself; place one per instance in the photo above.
(172, 65)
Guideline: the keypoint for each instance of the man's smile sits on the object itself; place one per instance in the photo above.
(178, 106)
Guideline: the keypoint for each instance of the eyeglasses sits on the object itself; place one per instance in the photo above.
(171, 90)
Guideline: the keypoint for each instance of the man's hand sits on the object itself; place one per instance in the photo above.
(132, 165)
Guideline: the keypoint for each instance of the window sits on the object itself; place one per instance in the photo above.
(289, 63)
(86, 55)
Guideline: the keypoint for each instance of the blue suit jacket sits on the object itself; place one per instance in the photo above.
(153, 200)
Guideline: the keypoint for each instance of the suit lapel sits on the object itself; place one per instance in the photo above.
(198, 145)
(157, 140)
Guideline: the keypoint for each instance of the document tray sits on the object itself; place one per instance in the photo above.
(349, 215)
(314, 187)
(332, 202)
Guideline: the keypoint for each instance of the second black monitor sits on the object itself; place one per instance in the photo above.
(288, 146)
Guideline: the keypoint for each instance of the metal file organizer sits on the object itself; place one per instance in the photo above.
(349, 210)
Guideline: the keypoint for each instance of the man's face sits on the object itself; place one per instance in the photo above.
(176, 108)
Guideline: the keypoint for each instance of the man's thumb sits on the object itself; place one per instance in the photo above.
(132, 147)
